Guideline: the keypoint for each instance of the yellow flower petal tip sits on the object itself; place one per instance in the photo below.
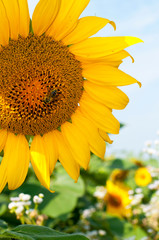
(132, 40)
(51, 191)
(75, 77)
(113, 25)
(139, 83)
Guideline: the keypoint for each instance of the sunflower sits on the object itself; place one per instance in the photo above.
(142, 177)
(57, 85)
(118, 175)
(117, 199)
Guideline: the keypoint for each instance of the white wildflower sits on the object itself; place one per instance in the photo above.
(15, 199)
(102, 232)
(135, 202)
(136, 199)
(24, 197)
(99, 205)
(153, 174)
(12, 205)
(152, 186)
(100, 192)
(88, 212)
(19, 210)
(146, 208)
(28, 203)
(19, 204)
(37, 199)
(41, 195)
(138, 190)
(156, 182)
(139, 196)
(154, 199)
(151, 151)
(130, 192)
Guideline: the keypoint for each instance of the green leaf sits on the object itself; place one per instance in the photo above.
(63, 200)
(4, 200)
(66, 194)
(124, 229)
(3, 224)
(31, 232)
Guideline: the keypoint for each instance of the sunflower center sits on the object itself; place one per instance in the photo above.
(114, 200)
(142, 176)
(40, 85)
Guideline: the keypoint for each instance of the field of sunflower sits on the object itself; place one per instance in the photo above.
(58, 89)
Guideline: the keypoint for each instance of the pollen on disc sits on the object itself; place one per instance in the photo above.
(41, 84)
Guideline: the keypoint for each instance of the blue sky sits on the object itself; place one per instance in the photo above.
(140, 19)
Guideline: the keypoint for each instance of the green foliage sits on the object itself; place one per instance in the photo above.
(30, 232)
(3, 203)
(123, 229)
(3, 225)
(64, 199)
(65, 207)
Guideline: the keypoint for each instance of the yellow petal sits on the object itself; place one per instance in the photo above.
(44, 14)
(67, 17)
(101, 61)
(105, 136)
(110, 59)
(13, 15)
(3, 138)
(78, 144)
(109, 96)
(107, 75)
(118, 56)
(39, 161)
(24, 18)
(86, 27)
(102, 46)
(51, 150)
(99, 114)
(3, 174)
(16, 153)
(90, 131)
(4, 26)
(66, 158)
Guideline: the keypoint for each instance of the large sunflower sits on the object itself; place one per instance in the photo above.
(57, 85)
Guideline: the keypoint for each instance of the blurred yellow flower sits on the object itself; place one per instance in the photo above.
(117, 199)
(142, 177)
(118, 175)
(137, 162)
